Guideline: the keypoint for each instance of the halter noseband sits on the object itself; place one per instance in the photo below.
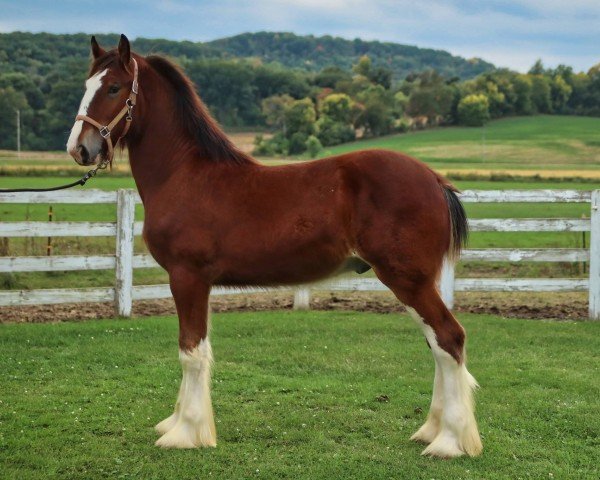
(126, 111)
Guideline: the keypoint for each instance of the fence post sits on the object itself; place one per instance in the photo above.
(302, 299)
(124, 253)
(447, 283)
(594, 293)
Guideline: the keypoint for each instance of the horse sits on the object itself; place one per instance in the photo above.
(216, 216)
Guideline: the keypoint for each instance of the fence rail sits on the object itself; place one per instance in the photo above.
(124, 261)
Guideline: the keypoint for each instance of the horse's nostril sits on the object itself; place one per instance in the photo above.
(83, 152)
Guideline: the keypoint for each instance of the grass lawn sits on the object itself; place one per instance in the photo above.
(295, 396)
(537, 143)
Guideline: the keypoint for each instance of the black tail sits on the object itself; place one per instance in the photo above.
(459, 227)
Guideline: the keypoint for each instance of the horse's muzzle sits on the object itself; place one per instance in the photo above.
(82, 155)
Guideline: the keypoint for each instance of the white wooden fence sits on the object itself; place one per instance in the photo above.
(124, 260)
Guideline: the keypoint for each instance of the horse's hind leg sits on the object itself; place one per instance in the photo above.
(192, 423)
(451, 429)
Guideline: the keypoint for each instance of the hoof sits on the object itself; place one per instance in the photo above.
(446, 445)
(167, 424)
(427, 433)
(443, 446)
(184, 435)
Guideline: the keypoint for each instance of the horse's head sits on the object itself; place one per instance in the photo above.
(106, 108)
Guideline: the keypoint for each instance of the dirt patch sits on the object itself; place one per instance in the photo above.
(571, 306)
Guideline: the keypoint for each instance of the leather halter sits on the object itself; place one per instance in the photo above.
(126, 111)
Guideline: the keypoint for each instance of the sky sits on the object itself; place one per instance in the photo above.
(508, 33)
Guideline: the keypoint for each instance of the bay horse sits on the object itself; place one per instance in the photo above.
(216, 216)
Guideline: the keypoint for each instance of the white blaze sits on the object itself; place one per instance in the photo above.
(92, 85)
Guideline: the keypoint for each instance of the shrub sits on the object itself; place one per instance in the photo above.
(297, 143)
(330, 132)
(277, 144)
(402, 125)
(313, 146)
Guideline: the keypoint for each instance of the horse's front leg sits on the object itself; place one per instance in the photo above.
(192, 423)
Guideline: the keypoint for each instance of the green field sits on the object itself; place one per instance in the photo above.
(540, 143)
(551, 145)
(295, 396)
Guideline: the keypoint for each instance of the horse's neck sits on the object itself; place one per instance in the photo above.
(154, 161)
(159, 148)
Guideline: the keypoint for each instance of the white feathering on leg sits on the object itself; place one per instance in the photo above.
(194, 422)
(431, 427)
(169, 422)
(458, 433)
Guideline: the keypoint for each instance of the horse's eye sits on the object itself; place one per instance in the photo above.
(113, 89)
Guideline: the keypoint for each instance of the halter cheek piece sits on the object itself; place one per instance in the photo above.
(126, 111)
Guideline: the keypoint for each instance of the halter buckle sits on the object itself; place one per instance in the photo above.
(105, 132)
(129, 103)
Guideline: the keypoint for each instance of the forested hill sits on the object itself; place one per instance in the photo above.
(314, 53)
(39, 53)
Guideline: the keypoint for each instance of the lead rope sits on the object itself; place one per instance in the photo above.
(90, 174)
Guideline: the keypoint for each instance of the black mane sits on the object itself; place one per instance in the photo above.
(194, 116)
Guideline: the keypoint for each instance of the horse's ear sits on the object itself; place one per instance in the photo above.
(124, 52)
(97, 50)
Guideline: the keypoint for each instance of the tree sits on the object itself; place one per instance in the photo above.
(275, 80)
(363, 67)
(274, 108)
(330, 76)
(400, 104)
(377, 75)
(381, 76)
(522, 88)
(376, 115)
(229, 90)
(537, 68)
(429, 95)
(338, 107)
(330, 132)
(541, 98)
(10, 101)
(486, 84)
(431, 101)
(24, 83)
(560, 91)
(300, 117)
(473, 110)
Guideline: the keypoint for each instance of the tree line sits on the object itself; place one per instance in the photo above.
(42, 74)
(305, 109)
(366, 102)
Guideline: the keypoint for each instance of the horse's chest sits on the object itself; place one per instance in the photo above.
(171, 240)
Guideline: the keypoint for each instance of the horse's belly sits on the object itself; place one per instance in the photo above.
(272, 269)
